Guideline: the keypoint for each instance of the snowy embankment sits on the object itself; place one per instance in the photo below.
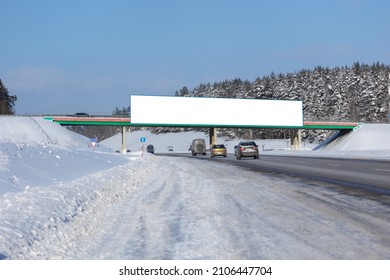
(369, 141)
(37, 217)
(70, 201)
(28, 157)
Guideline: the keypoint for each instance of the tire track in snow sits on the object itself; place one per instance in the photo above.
(192, 210)
(166, 208)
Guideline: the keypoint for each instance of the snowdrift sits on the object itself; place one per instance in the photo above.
(366, 137)
(36, 152)
(36, 130)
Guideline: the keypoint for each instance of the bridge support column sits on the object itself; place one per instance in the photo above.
(124, 140)
(213, 136)
(296, 139)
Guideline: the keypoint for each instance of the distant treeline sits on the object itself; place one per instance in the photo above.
(357, 93)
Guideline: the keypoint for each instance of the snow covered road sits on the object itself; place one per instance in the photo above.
(178, 208)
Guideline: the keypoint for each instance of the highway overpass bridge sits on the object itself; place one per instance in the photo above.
(126, 122)
(176, 111)
(113, 121)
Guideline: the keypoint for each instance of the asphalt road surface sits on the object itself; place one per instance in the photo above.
(367, 175)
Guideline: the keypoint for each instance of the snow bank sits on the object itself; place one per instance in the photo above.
(29, 215)
(36, 130)
(36, 152)
(366, 137)
(369, 141)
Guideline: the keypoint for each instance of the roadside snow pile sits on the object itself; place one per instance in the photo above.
(29, 159)
(4, 159)
(369, 141)
(18, 129)
(42, 213)
(367, 137)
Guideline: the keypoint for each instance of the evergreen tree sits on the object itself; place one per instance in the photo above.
(124, 112)
(351, 93)
(7, 102)
(355, 93)
(183, 92)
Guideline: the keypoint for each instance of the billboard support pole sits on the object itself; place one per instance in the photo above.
(296, 139)
(213, 136)
(123, 139)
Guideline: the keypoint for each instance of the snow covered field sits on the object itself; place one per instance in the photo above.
(68, 200)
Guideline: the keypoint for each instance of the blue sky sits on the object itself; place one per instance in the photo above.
(89, 56)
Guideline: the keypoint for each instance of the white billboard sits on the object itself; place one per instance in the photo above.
(214, 112)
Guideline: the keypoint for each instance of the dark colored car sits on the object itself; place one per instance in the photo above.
(150, 149)
(247, 149)
(81, 115)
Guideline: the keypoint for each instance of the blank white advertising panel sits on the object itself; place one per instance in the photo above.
(224, 112)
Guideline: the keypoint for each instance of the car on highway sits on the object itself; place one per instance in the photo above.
(198, 147)
(81, 115)
(150, 149)
(218, 150)
(247, 149)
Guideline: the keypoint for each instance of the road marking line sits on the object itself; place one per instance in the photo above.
(385, 170)
(333, 164)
